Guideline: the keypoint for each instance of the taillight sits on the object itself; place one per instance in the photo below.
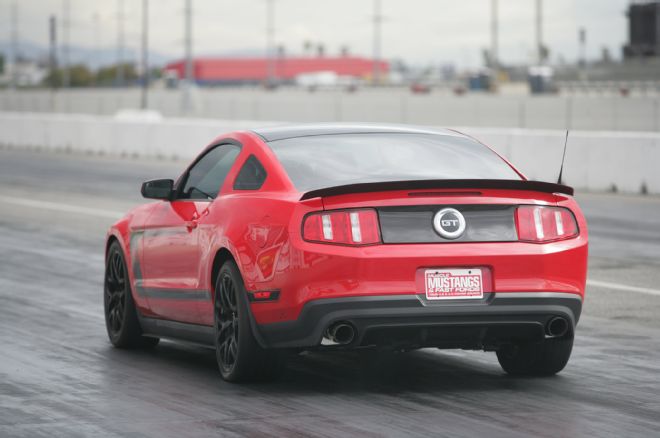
(537, 223)
(346, 227)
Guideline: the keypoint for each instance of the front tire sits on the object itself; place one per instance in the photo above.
(121, 319)
(544, 358)
(239, 355)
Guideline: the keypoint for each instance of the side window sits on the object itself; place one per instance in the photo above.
(251, 176)
(207, 175)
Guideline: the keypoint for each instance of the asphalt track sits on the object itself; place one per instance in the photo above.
(59, 376)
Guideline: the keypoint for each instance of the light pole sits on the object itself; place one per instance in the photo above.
(270, 43)
(378, 20)
(188, 67)
(52, 61)
(119, 79)
(13, 59)
(494, 36)
(145, 55)
(66, 23)
(97, 43)
(539, 31)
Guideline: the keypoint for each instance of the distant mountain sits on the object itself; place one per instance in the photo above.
(108, 55)
(85, 55)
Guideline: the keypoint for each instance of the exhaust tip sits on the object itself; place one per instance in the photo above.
(340, 333)
(557, 327)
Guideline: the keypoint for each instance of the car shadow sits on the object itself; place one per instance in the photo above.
(367, 371)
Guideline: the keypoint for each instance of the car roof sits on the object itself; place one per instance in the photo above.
(292, 131)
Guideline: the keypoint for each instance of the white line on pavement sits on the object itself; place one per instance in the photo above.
(623, 287)
(56, 206)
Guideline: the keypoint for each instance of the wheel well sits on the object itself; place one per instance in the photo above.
(110, 241)
(222, 256)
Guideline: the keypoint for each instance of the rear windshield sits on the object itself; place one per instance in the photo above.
(323, 161)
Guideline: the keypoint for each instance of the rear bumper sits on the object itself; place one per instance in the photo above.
(411, 321)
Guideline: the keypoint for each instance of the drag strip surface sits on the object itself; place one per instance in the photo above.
(59, 376)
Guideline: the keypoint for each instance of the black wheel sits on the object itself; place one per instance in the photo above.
(120, 314)
(240, 358)
(544, 358)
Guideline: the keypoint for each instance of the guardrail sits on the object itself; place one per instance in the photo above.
(595, 161)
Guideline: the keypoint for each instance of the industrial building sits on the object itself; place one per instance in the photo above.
(236, 71)
(643, 30)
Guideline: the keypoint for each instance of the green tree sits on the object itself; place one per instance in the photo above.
(108, 75)
(79, 76)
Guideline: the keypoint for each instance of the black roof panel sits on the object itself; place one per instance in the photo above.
(290, 131)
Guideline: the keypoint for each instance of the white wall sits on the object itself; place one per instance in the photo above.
(595, 161)
(391, 105)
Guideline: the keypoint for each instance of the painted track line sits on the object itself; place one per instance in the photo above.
(65, 208)
(623, 287)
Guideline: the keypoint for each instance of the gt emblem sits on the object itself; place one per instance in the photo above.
(449, 223)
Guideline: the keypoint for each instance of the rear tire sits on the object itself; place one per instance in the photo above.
(121, 319)
(544, 358)
(240, 357)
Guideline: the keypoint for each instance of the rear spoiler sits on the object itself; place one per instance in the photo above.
(502, 184)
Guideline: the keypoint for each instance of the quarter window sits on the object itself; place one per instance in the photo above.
(251, 176)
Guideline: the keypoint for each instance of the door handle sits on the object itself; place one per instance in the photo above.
(193, 222)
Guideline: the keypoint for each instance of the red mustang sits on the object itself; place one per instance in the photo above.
(348, 236)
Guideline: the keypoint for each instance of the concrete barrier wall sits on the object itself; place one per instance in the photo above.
(397, 105)
(595, 161)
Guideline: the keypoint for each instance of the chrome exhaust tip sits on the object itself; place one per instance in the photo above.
(556, 327)
(340, 333)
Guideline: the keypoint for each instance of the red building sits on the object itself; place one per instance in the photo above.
(255, 70)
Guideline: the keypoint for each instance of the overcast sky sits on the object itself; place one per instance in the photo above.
(418, 31)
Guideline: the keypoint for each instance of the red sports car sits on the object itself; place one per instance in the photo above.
(349, 236)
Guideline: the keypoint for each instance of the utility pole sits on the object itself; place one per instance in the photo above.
(494, 36)
(145, 55)
(120, 74)
(270, 43)
(378, 20)
(582, 41)
(13, 59)
(539, 31)
(66, 23)
(52, 31)
(582, 62)
(97, 42)
(188, 68)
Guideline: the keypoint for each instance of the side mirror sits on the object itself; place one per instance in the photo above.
(158, 189)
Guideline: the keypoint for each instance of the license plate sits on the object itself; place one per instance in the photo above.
(453, 284)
